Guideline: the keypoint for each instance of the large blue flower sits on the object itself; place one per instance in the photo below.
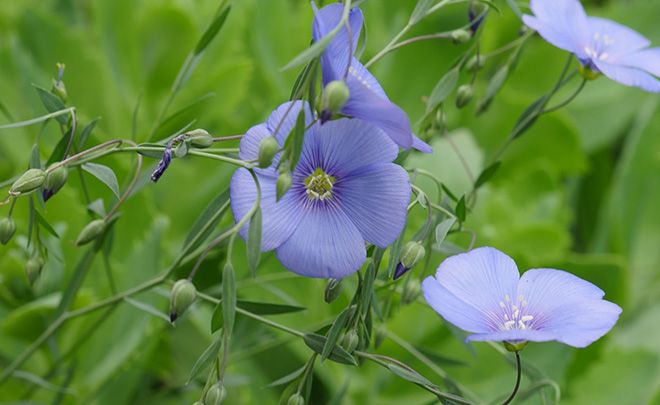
(601, 45)
(367, 100)
(482, 292)
(345, 190)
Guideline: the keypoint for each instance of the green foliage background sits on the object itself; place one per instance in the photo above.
(579, 192)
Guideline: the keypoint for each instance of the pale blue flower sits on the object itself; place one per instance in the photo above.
(600, 45)
(483, 293)
(367, 100)
(345, 191)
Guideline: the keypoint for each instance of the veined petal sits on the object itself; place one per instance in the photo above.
(629, 76)
(283, 119)
(564, 17)
(279, 219)
(561, 39)
(421, 145)
(620, 39)
(325, 244)
(344, 145)
(376, 199)
(513, 335)
(483, 278)
(340, 50)
(453, 309)
(646, 59)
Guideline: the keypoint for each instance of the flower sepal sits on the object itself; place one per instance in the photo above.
(515, 346)
(588, 73)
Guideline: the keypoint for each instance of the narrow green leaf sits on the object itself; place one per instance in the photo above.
(486, 174)
(207, 221)
(297, 136)
(460, 209)
(86, 132)
(443, 89)
(335, 330)
(338, 354)
(312, 52)
(104, 174)
(149, 309)
(42, 221)
(494, 86)
(52, 103)
(265, 308)
(410, 375)
(395, 255)
(212, 30)
(61, 149)
(75, 282)
(515, 8)
(287, 378)
(228, 297)
(301, 80)
(366, 291)
(183, 115)
(254, 242)
(97, 207)
(207, 358)
(40, 382)
(217, 320)
(60, 113)
(442, 229)
(420, 11)
(528, 117)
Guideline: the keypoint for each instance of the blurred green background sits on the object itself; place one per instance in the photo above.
(579, 192)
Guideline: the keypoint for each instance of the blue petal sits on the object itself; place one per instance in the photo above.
(421, 145)
(343, 146)
(376, 199)
(249, 146)
(325, 244)
(367, 102)
(481, 279)
(340, 50)
(528, 335)
(455, 310)
(567, 306)
(647, 59)
(283, 119)
(629, 76)
(623, 40)
(563, 23)
(279, 219)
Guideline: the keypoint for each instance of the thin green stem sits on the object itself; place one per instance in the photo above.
(38, 119)
(568, 100)
(517, 386)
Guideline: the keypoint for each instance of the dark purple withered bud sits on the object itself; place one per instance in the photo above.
(400, 271)
(476, 15)
(163, 164)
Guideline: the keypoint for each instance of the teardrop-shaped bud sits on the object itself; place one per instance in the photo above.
(332, 290)
(410, 292)
(90, 232)
(464, 95)
(283, 184)
(33, 268)
(201, 139)
(412, 253)
(28, 182)
(460, 36)
(215, 395)
(182, 296)
(268, 148)
(335, 95)
(55, 180)
(296, 399)
(350, 341)
(475, 63)
(7, 230)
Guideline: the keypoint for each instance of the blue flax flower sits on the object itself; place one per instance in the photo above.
(482, 292)
(367, 100)
(345, 190)
(601, 45)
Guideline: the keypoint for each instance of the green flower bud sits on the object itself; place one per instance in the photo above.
(296, 399)
(56, 179)
(90, 232)
(381, 334)
(183, 294)
(201, 139)
(7, 230)
(33, 268)
(332, 290)
(28, 182)
(335, 95)
(412, 253)
(515, 347)
(267, 150)
(283, 184)
(350, 341)
(464, 95)
(411, 291)
(475, 63)
(181, 150)
(59, 90)
(215, 395)
(460, 36)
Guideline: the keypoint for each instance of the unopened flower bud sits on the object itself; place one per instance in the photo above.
(33, 268)
(332, 290)
(7, 230)
(58, 85)
(350, 341)
(201, 139)
(183, 294)
(410, 292)
(460, 36)
(296, 399)
(475, 63)
(215, 395)
(476, 15)
(335, 95)
(181, 150)
(267, 150)
(412, 253)
(283, 184)
(28, 182)
(380, 335)
(464, 95)
(515, 347)
(55, 180)
(90, 232)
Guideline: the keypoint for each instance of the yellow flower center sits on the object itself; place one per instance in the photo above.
(319, 185)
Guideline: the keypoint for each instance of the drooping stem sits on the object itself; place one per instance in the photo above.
(518, 375)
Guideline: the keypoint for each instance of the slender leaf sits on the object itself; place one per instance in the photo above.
(207, 358)
(42, 221)
(338, 354)
(75, 282)
(228, 297)
(148, 309)
(460, 209)
(287, 378)
(217, 320)
(212, 30)
(494, 86)
(410, 375)
(335, 330)
(265, 308)
(52, 103)
(254, 242)
(442, 229)
(207, 221)
(62, 146)
(420, 11)
(486, 174)
(528, 117)
(86, 132)
(104, 174)
(312, 52)
(443, 89)
(297, 139)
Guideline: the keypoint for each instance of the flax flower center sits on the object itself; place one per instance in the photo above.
(514, 315)
(319, 184)
(598, 48)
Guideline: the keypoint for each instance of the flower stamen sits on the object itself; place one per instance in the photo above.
(319, 185)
